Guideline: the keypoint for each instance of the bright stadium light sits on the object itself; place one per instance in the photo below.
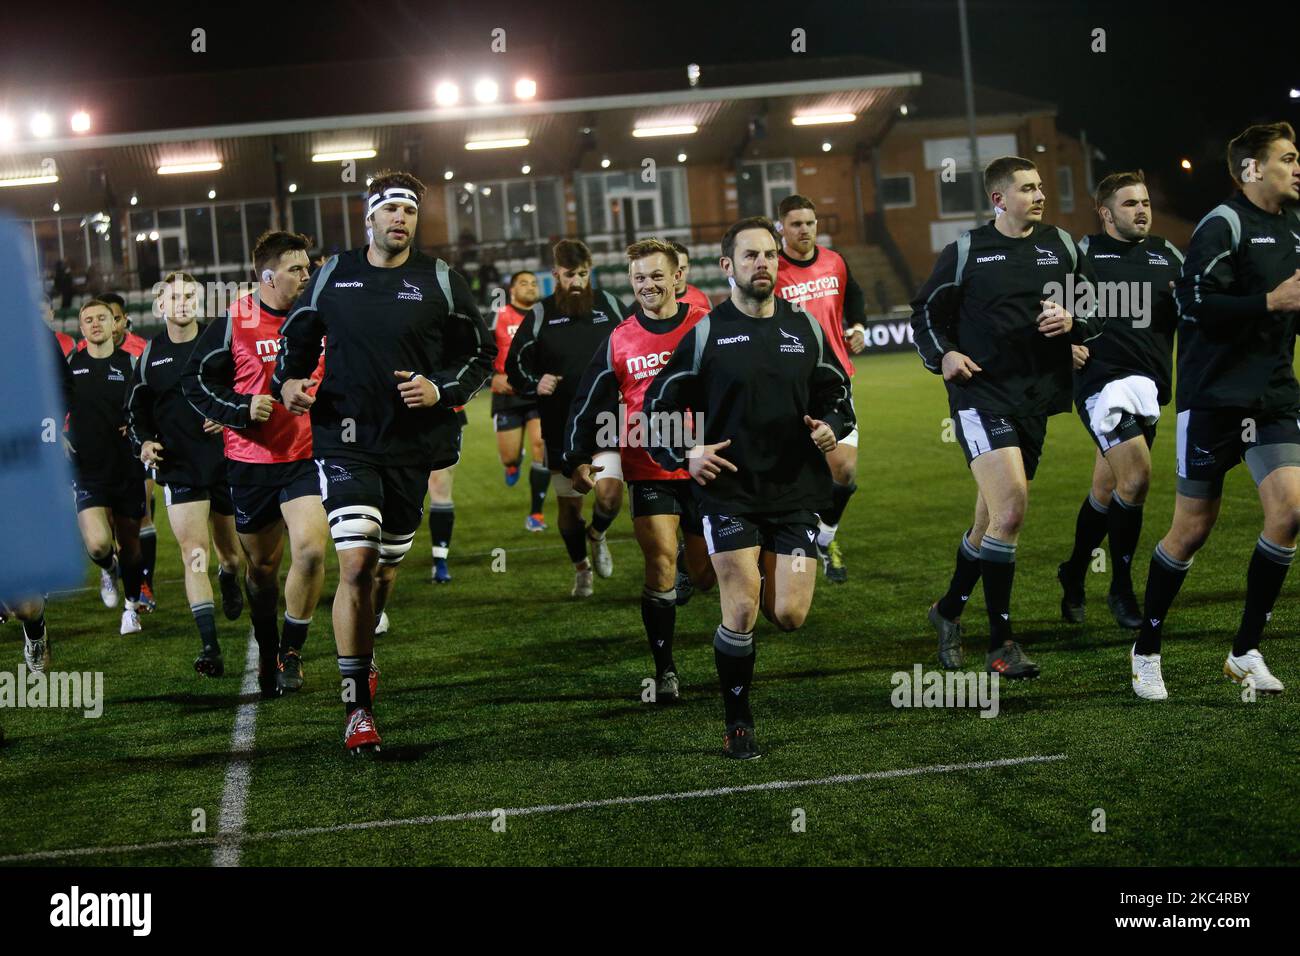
(525, 169)
(139, 237)
(486, 90)
(175, 169)
(693, 74)
(678, 129)
(826, 147)
(902, 110)
(153, 235)
(604, 163)
(497, 143)
(31, 181)
(42, 125)
(449, 175)
(135, 200)
(8, 129)
(56, 207)
(1186, 164)
(525, 88)
(1295, 94)
(212, 194)
(293, 187)
(80, 121)
(820, 119)
(446, 93)
(342, 154)
(681, 157)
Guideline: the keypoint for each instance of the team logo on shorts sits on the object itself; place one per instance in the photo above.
(792, 344)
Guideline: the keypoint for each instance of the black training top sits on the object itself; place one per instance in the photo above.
(96, 418)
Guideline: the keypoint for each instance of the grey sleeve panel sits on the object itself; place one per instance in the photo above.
(963, 253)
(1070, 248)
(1224, 211)
(1174, 249)
(539, 313)
(818, 335)
(615, 306)
(1084, 243)
(325, 271)
(144, 359)
(444, 283)
(701, 331)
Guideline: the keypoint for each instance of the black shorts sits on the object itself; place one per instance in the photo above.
(1130, 426)
(515, 418)
(1211, 442)
(790, 532)
(391, 495)
(218, 494)
(257, 491)
(669, 497)
(125, 499)
(978, 432)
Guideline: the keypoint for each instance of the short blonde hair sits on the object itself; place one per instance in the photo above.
(648, 247)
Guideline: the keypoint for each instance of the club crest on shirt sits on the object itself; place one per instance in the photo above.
(1046, 257)
(791, 343)
(1156, 259)
(410, 292)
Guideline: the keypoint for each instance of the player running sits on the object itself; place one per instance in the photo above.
(985, 322)
(774, 401)
(818, 279)
(1118, 394)
(404, 346)
(273, 482)
(185, 449)
(109, 494)
(547, 358)
(515, 416)
(1239, 301)
(615, 382)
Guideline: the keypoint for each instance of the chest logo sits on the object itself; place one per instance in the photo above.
(1046, 257)
(410, 293)
(791, 343)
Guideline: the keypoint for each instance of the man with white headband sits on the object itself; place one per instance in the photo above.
(404, 346)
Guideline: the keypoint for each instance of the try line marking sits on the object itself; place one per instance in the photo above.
(237, 838)
(239, 772)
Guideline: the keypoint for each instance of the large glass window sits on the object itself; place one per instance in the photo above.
(491, 202)
(198, 236)
(74, 244)
(504, 210)
(142, 221)
(230, 236)
(332, 237)
(520, 211)
(257, 220)
(47, 245)
(550, 221)
(169, 218)
(356, 221)
(955, 196)
(760, 186)
(304, 218)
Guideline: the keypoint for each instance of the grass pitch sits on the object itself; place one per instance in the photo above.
(500, 691)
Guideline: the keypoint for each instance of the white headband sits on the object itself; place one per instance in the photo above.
(392, 194)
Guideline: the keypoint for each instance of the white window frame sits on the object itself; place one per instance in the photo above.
(911, 190)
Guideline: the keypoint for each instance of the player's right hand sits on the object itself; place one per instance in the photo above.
(295, 396)
(259, 409)
(548, 384)
(150, 453)
(1080, 354)
(501, 385)
(584, 477)
(958, 368)
(705, 464)
(1286, 297)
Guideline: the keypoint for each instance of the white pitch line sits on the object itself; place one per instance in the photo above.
(526, 811)
(239, 772)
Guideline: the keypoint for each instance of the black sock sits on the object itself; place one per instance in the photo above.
(294, 635)
(206, 619)
(442, 518)
(1089, 532)
(34, 629)
(840, 495)
(659, 615)
(539, 479)
(600, 520)
(148, 554)
(575, 542)
(964, 578)
(131, 579)
(354, 673)
(1125, 529)
(1164, 578)
(1268, 567)
(262, 607)
(733, 655)
(998, 566)
(107, 563)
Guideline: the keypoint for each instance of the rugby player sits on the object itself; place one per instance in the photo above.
(185, 449)
(1118, 394)
(684, 291)
(548, 356)
(1238, 297)
(273, 482)
(516, 417)
(661, 500)
(774, 400)
(985, 322)
(818, 279)
(404, 346)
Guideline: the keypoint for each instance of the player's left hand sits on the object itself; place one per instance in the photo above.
(1054, 320)
(584, 477)
(211, 428)
(856, 337)
(416, 390)
(822, 434)
(1080, 354)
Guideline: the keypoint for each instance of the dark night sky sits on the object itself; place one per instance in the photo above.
(1176, 79)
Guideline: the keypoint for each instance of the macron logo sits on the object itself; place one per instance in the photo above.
(733, 338)
(347, 285)
(134, 910)
(997, 258)
(1263, 240)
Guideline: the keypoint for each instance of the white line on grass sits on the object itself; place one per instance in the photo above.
(239, 772)
(526, 811)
